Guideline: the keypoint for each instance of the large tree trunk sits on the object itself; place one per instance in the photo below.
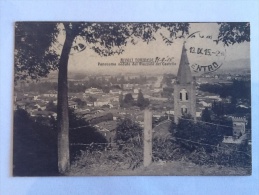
(62, 107)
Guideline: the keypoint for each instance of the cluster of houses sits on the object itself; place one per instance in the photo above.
(99, 103)
(35, 104)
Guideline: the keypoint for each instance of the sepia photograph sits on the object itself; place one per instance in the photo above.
(131, 99)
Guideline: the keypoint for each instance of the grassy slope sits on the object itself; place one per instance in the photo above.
(175, 168)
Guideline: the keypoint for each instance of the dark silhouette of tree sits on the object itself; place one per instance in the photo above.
(34, 147)
(81, 133)
(141, 101)
(34, 57)
(205, 115)
(128, 99)
(193, 135)
(234, 32)
(121, 102)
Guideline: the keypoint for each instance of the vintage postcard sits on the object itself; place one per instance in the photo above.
(149, 98)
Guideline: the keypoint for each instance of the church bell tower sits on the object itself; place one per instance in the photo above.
(184, 90)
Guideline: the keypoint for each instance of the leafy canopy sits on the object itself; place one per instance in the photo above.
(36, 56)
(234, 32)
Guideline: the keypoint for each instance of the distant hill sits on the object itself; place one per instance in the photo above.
(236, 64)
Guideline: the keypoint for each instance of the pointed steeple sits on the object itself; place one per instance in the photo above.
(184, 75)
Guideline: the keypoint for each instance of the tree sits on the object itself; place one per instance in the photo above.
(51, 107)
(193, 135)
(234, 32)
(121, 102)
(128, 131)
(205, 115)
(128, 99)
(141, 101)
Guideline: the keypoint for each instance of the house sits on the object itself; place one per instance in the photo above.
(242, 106)
(20, 105)
(239, 126)
(169, 112)
(135, 96)
(73, 105)
(239, 131)
(31, 108)
(90, 104)
(51, 93)
(93, 91)
(205, 104)
(229, 77)
(135, 90)
(101, 102)
(41, 105)
(115, 91)
(231, 140)
(44, 113)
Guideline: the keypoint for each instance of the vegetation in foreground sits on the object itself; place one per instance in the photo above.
(35, 150)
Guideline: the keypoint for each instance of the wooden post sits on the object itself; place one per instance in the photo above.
(147, 138)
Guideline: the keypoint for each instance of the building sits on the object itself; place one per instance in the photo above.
(239, 131)
(239, 126)
(73, 105)
(184, 90)
(101, 102)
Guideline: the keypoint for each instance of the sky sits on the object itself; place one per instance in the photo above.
(87, 60)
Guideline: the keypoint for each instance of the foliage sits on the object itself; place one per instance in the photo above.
(79, 102)
(234, 32)
(106, 117)
(76, 88)
(205, 115)
(128, 99)
(126, 154)
(141, 101)
(34, 57)
(198, 135)
(165, 150)
(35, 143)
(41, 87)
(238, 89)
(128, 131)
(34, 147)
(35, 54)
(121, 102)
(232, 156)
(50, 106)
(113, 159)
